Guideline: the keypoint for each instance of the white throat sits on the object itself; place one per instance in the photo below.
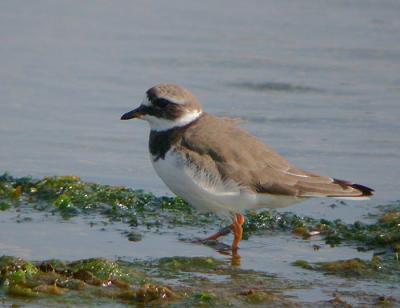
(159, 124)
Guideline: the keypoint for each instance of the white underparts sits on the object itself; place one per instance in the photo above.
(160, 124)
(207, 191)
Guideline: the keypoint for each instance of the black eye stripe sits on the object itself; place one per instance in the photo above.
(161, 102)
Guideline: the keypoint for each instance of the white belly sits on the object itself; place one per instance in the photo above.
(208, 193)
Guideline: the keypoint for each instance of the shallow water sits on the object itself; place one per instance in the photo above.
(318, 81)
(95, 236)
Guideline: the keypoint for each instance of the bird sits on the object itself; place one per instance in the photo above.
(219, 167)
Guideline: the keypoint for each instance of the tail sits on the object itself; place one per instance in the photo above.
(360, 192)
(296, 182)
(320, 186)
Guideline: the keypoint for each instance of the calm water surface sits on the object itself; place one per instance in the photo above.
(317, 80)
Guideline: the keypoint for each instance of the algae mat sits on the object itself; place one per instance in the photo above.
(67, 242)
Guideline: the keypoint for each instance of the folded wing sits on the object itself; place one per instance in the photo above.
(237, 156)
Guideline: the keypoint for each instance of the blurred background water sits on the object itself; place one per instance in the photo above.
(317, 80)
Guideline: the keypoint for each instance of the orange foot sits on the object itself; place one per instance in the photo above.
(237, 229)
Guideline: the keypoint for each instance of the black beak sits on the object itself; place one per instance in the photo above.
(135, 113)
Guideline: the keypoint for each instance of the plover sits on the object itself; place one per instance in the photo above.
(216, 166)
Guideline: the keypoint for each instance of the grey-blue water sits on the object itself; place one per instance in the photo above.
(319, 81)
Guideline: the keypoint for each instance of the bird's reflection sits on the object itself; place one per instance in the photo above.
(235, 260)
(224, 250)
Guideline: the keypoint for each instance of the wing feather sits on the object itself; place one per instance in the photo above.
(219, 145)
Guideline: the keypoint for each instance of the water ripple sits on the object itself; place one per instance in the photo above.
(277, 86)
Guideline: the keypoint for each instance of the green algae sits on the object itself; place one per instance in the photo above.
(257, 297)
(219, 283)
(302, 231)
(134, 236)
(86, 278)
(97, 271)
(19, 291)
(303, 264)
(192, 281)
(385, 232)
(350, 268)
(4, 206)
(383, 301)
(16, 271)
(98, 280)
(70, 196)
(381, 268)
(204, 297)
(195, 264)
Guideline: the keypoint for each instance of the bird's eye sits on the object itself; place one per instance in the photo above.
(161, 102)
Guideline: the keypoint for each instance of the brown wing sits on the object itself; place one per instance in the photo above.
(216, 144)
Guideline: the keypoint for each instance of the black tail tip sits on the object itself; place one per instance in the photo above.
(366, 191)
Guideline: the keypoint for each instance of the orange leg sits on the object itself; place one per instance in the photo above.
(235, 227)
(237, 230)
(222, 232)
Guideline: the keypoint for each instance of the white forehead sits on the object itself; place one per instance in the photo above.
(146, 101)
(176, 100)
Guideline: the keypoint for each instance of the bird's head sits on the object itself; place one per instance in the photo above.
(166, 106)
